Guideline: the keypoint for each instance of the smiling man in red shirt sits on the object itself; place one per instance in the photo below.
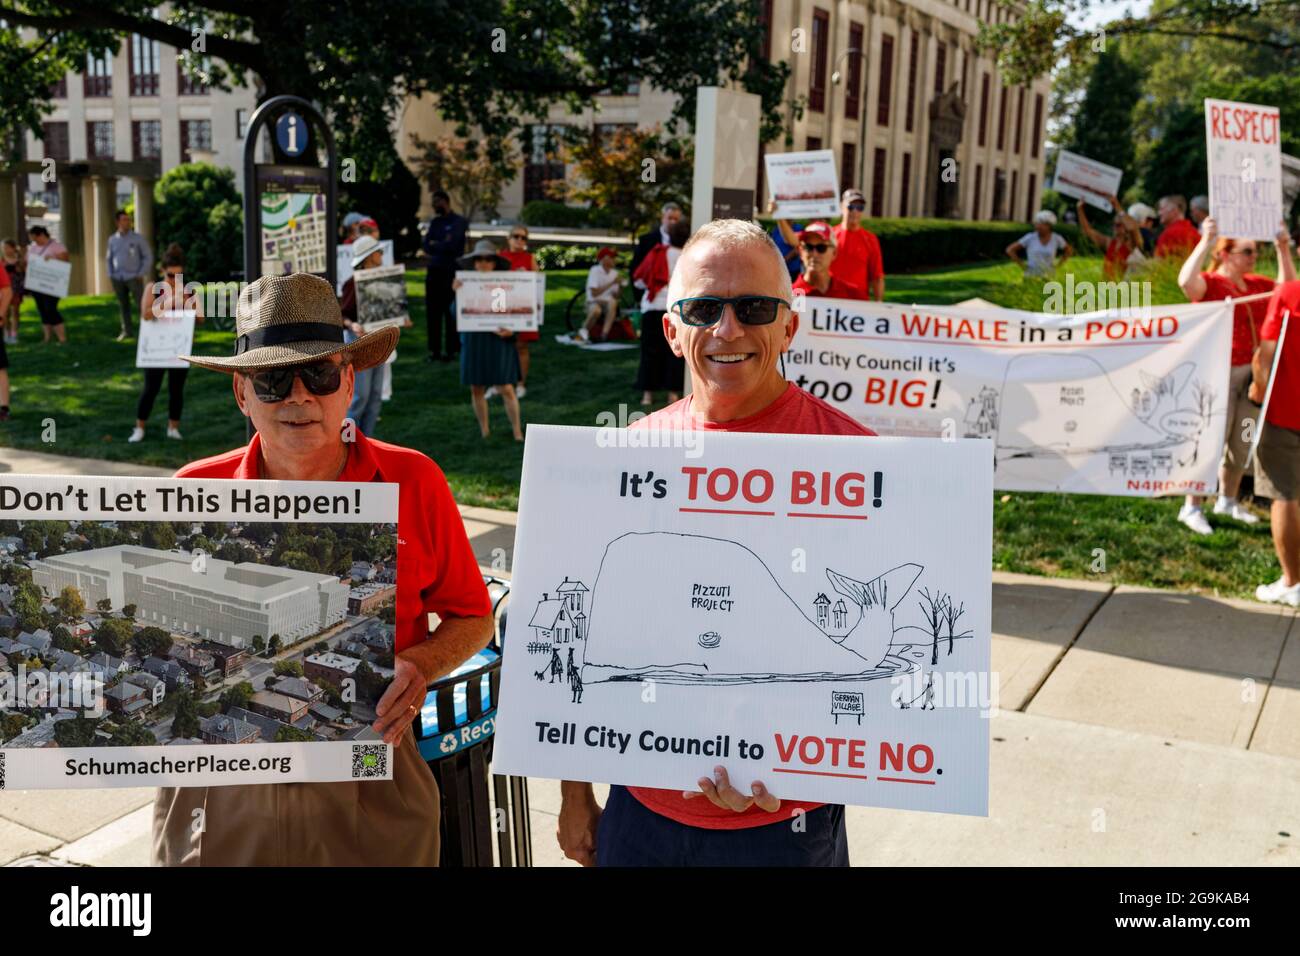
(293, 375)
(737, 388)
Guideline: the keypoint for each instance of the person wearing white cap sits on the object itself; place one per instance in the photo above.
(367, 396)
(1041, 246)
(351, 222)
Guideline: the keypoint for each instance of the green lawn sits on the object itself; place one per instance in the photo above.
(89, 389)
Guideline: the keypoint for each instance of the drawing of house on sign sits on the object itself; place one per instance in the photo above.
(841, 615)
(555, 621)
(823, 604)
(573, 593)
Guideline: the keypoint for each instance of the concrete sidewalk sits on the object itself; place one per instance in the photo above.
(1136, 727)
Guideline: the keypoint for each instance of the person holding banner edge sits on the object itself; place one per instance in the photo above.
(1232, 277)
(1277, 468)
(292, 375)
(730, 319)
(43, 247)
(159, 297)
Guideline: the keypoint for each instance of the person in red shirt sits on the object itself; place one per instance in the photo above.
(292, 375)
(735, 387)
(1277, 467)
(857, 255)
(1232, 278)
(6, 294)
(817, 251)
(521, 260)
(1178, 234)
(1126, 239)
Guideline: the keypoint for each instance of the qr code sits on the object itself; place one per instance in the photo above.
(368, 760)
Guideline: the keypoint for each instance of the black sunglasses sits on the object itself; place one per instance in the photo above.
(815, 246)
(858, 206)
(519, 235)
(276, 384)
(705, 310)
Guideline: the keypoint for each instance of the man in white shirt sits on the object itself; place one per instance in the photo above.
(604, 284)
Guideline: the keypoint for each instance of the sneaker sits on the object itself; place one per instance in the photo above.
(1193, 517)
(122, 336)
(520, 391)
(137, 434)
(173, 433)
(1234, 510)
(1279, 593)
(582, 336)
(491, 392)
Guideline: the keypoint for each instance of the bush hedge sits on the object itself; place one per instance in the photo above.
(553, 256)
(545, 212)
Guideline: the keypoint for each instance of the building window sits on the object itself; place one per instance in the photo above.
(1038, 125)
(543, 164)
(907, 184)
(55, 139)
(984, 107)
(143, 63)
(940, 65)
(911, 82)
(186, 83)
(1000, 194)
(813, 142)
(59, 90)
(195, 134)
(852, 93)
(979, 181)
(886, 79)
(1015, 184)
(241, 123)
(765, 18)
(99, 139)
(848, 162)
(1020, 120)
(146, 140)
(1002, 117)
(878, 183)
(821, 33)
(98, 78)
(1031, 204)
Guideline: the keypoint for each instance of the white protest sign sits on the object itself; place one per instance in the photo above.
(1086, 179)
(49, 276)
(1243, 144)
(178, 589)
(803, 184)
(343, 261)
(487, 301)
(164, 337)
(683, 600)
(381, 297)
(1125, 401)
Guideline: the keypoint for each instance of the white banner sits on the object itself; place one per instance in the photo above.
(343, 261)
(1082, 178)
(1120, 402)
(487, 301)
(164, 337)
(822, 627)
(186, 632)
(1243, 145)
(803, 184)
(48, 275)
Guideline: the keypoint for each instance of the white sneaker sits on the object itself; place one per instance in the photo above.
(173, 433)
(1279, 593)
(491, 392)
(520, 391)
(1192, 516)
(1239, 513)
(137, 434)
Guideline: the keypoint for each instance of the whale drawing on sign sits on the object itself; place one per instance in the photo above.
(715, 614)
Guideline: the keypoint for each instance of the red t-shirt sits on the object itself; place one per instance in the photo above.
(1284, 402)
(1116, 261)
(796, 412)
(520, 261)
(436, 567)
(1247, 317)
(838, 289)
(4, 278)
(857, 257)
(1179, 238)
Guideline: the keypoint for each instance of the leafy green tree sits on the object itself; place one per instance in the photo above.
(152, 642)
(26, 606)
(11, 725)
(71, 605)
(276, 644)
(259, 644)
(289, 734)
(63, 639)
(104, 605)
(1103, 127)
(128, 611)
(113, 636)
(133, 734)
(160, 534)
(192, 203)
(185, 723)
(237, 695)
(15, 574)
(78, 731)
(288, 669)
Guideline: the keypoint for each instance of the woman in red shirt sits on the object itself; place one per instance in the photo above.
(1232, 278)
(521, 260)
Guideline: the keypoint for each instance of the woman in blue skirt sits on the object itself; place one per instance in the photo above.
(489, 358)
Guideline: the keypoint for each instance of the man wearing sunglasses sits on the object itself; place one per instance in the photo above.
(857, 258)
(729, 316)
(293, 375)
(817, 251)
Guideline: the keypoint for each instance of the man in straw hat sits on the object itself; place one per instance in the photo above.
(293, 375)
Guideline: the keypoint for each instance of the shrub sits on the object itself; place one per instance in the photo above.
(574, 257)
(545, 212)
(197, 206)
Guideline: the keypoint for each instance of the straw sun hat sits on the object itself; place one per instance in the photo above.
(293, 320)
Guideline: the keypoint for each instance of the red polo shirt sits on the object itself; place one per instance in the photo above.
(1284, 403)
(1179, 238)
(436, 568)
(838, 289)
(857, 257)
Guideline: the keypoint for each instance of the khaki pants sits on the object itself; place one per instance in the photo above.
(386, 823)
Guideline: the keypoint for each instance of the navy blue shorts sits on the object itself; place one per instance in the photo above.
(631, 834)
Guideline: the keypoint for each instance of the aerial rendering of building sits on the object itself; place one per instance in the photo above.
(221, 601)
